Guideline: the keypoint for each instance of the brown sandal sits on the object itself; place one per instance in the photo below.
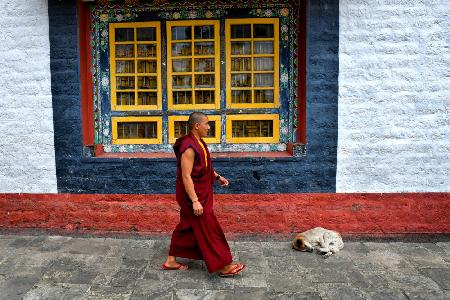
(178, 267)
(237, 269)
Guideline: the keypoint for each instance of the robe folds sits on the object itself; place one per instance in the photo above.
(198, 237)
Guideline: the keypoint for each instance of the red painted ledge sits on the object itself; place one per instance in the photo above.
(240, 215)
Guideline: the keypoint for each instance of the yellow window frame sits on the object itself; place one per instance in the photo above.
(116, 140)
(208, 140)
(248, 140)
(216, 57)
(276, 64)
(112, 59)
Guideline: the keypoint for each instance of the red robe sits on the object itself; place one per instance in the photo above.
(198, 237)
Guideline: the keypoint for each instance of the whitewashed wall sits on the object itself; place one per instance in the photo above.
(27, 156)
(394, 96)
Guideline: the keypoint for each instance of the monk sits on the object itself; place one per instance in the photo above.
(198, 235)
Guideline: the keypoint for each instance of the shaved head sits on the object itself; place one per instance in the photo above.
(194, 118)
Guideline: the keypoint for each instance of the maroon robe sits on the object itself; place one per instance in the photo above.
(198, 237)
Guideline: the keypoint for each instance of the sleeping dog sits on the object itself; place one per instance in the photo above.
(324, 241)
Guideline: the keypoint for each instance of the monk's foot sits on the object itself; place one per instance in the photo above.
(174, 266)
(231, 270)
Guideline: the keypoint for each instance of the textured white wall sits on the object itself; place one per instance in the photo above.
(27, 156)
(394, 96)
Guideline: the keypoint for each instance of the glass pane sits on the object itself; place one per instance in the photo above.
(182, 97)
(125, 98)
(204, 97)
(146, 82)
(125, 51)
(181, 81)
(263, 47)
(204, 32)
(240, 80)
(146, 34)
(264, 96)
(147, 98)
(145, 66)
(181, 49)
(204, 65)
(244, 96)
(250, 128)
(240, 31)
(241, 64)
(181, 33)
(263, 64)
(204, 48)
(263, 79)
(240, 48)
(125, 83)
(204, 81)
(124, 66)
(146, 50)
(181, 65)
(180, 128)
(263, 30)
(124, 34)
(137, 130)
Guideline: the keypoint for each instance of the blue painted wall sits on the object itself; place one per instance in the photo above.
(315, 172)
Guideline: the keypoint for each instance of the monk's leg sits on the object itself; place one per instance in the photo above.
(183, 242)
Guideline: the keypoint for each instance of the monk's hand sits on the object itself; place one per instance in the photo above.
(198, 208)
(223, 181)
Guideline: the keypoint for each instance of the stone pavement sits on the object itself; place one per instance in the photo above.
(64, 267)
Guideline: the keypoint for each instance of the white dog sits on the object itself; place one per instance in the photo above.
(322, 240)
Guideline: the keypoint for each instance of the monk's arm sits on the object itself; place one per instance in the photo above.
(187, 163)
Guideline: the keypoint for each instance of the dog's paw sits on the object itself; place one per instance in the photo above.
(327, 254)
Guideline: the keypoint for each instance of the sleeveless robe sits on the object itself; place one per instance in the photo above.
(198, 237)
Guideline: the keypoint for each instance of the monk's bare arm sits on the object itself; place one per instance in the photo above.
(187, 163)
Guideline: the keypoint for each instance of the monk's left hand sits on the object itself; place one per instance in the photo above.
(223, 181)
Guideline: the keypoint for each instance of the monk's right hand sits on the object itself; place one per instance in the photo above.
(198, 208)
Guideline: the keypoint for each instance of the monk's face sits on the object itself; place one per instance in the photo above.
(203, 127)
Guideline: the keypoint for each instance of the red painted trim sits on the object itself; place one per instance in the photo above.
(302, 40)
(240, 215)
(87, 109)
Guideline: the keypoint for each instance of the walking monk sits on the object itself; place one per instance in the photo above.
(198, 235)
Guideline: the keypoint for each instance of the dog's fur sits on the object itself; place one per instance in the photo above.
(322, 240)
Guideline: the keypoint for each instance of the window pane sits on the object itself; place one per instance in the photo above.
(263, 30)
(263, 64)
(204, 65)
(125, 83)
(204, 48)
(146, 82)
(241, 64)
(181, 33)
(181, 128)
(125, 98)
(204, 81)
(137, 130)
(124, 66)
(264, 96)
(240, 80)
(147, 98)
(181, 49)
(240, 31)
(145, 66)
(250, 128)
(204, 97)
(181, 65)
(124, 34)
(244, 96)
(263, 47)
(146, 34)
(263, 79)
(181, 81)
(182, 97)
(146, 50)
(240, 48)
(125, 51)
(204, 32)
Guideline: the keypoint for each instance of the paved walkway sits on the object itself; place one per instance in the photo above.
(58, 267)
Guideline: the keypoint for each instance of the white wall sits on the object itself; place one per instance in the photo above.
(394, 96)
(27, 156)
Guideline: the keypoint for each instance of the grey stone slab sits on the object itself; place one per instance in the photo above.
(441, 276)
(292, 296)
(155, 288)
(426, 295)
(355, 247)
(416, 282)
(141, 250)
(259, 265)
(387, 294)
(192, 294)
(52, 243)
(280, 249)
(283, 265)
(215, 282)
(340, 291)
(308, 260)
(16, 287)
(20, 242)
(126, 277)
(248, 293)
(249, 279)
(57, 291)
(191, 280)
(91, 246)
(155, 295)
(69, 270)
(289, 284)
(102, 292)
